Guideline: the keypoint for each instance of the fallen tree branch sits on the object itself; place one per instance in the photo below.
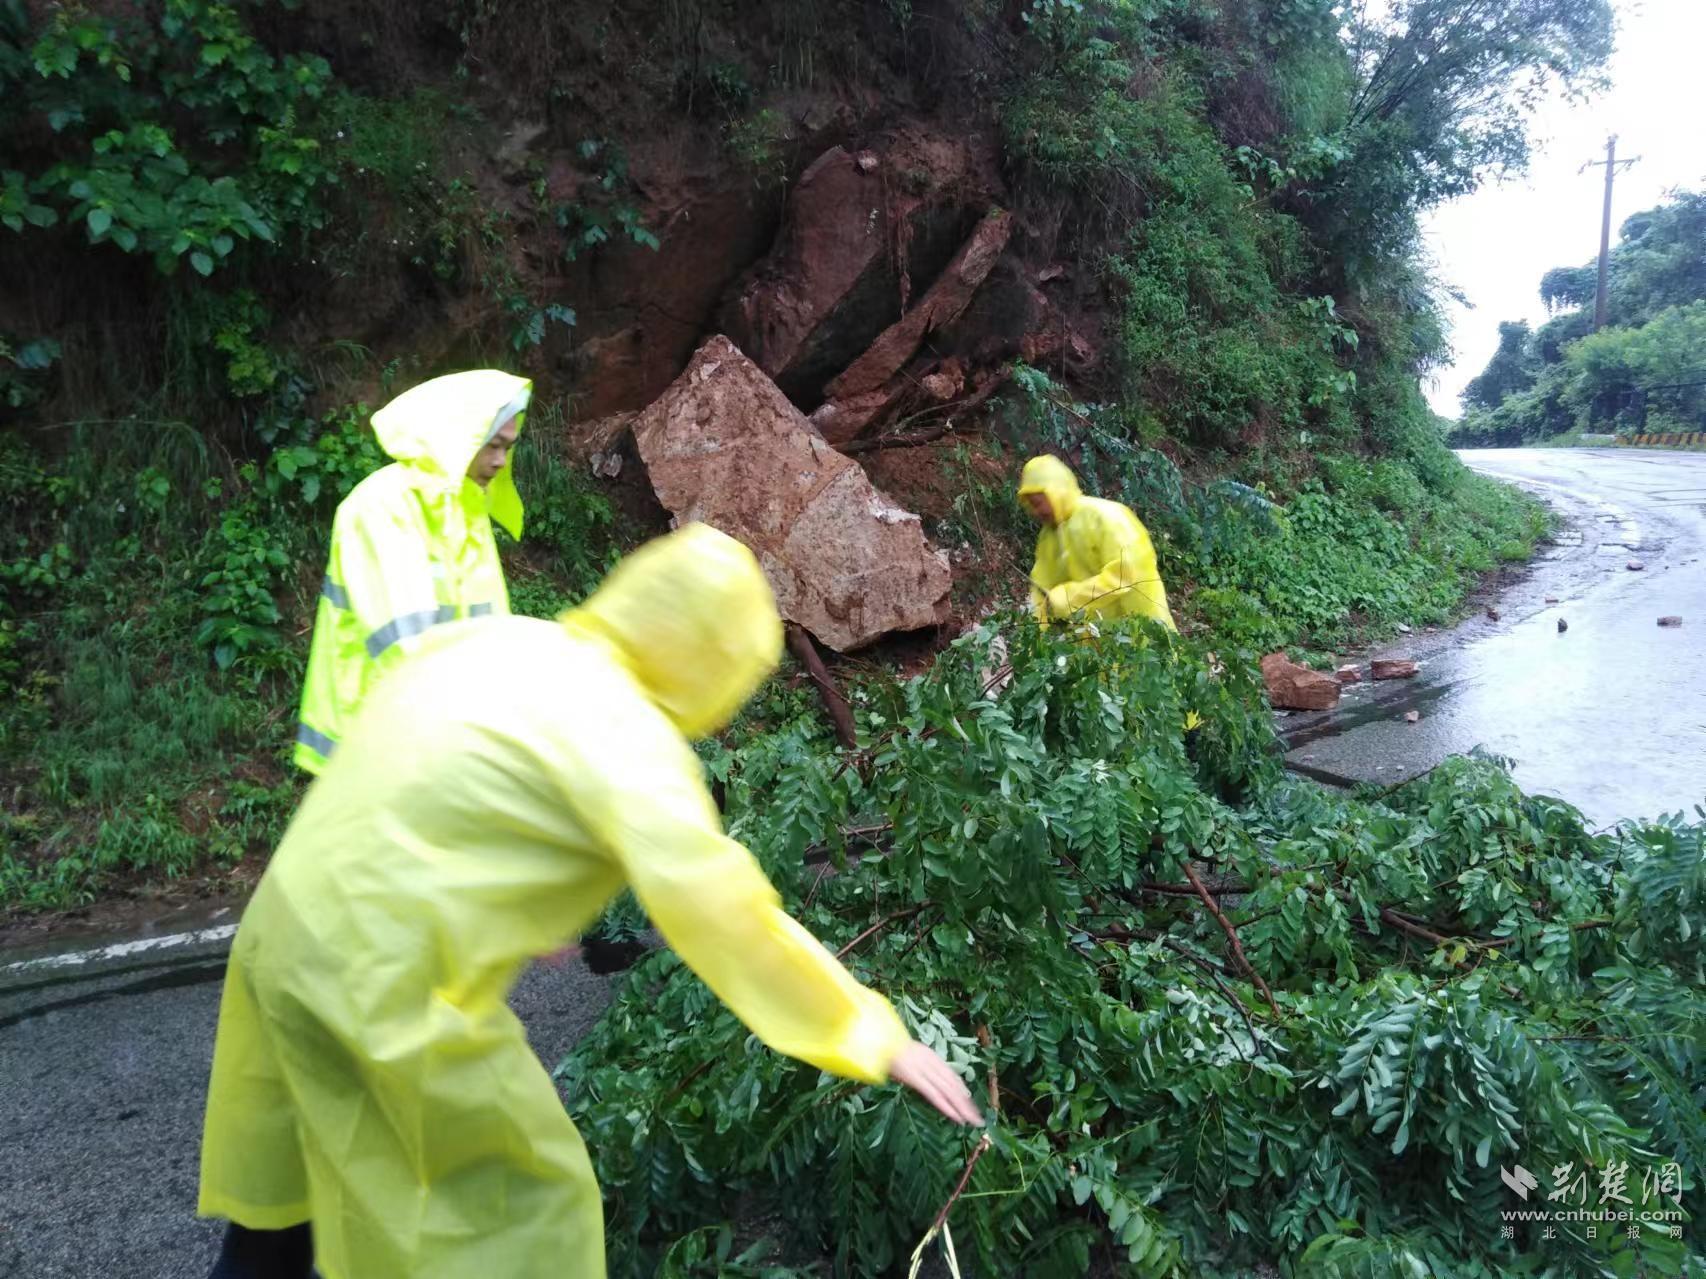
(818, 854)
(987, 1041)
(1222, 887)
(1231, 937)
(882, 923)
(937, 1226)
(686, 1079)
(898, 441)
(1202, 962)
(840, 714)
(954, 409)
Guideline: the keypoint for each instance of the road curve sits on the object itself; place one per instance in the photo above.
(1609, 714)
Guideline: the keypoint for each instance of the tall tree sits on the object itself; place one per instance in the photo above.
(1512, 368)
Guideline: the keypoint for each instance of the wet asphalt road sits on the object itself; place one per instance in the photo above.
(103, 1074)
(1611, 714)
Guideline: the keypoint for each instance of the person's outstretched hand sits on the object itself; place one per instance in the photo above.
(933, 1079)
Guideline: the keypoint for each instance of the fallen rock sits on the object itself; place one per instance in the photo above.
(841, 421)
(1297, 688)
(1670, 621)
(826, 270)
(617, 371)
(724, 445)
(946, 382)
(1551, 599)
(1412, 717)
(1562, 626)
(1403, 629)
(1634, 566)
(944, 301)
(1392, 668)
(1492, 614)
(875, 383)
(1348, 674)
(858, 229)
(597, 438)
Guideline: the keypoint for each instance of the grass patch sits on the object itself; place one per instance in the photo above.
(154, 635)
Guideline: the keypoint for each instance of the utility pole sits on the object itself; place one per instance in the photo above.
(1611, 163)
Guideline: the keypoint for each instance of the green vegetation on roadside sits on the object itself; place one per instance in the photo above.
(1432, 983)
(1429, 984)
(151, 655)
(1246, 210)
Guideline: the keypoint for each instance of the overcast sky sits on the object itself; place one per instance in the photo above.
(1496, 244)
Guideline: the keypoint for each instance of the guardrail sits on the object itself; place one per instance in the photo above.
(1674, 439)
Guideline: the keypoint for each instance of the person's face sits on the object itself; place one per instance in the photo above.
(490, 460)
(1041, 509)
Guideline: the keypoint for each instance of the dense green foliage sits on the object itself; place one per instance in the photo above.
(149, 655)
(1645, 371)
(1462, 978)
(1352, 548)
(1238, 181)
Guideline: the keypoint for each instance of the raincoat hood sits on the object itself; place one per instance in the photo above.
(1054, 479)
(693, 619)
(436, 428)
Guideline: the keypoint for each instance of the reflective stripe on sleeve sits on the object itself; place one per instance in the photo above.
(406, 626)
(315, 740)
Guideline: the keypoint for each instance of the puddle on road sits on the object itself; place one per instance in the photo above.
(1411, 696)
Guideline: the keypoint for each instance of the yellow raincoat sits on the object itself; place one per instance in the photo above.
(491, 797)
(1096, 557)
(412, 545)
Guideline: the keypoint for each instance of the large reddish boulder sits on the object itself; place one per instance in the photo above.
(835, 238)
(860, 227)
(725, 446)
(1297, 688)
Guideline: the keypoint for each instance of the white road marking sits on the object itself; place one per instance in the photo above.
(122, 950)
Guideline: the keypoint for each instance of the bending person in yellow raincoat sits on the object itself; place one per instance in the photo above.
(494, 793)
(1093, 556)
(412, 545)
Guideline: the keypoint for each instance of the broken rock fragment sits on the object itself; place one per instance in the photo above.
(1392, 668)
(874, 382)
(1349, 674)
(1297, 688)
(1671, 620)
(725, 446)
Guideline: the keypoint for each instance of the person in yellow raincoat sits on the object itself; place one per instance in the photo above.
(1094, 557)
(491, 797)
(412, 545)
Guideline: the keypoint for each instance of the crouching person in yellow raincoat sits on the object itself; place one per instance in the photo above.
(412, 545)
(494, 793)
(1093, 556)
